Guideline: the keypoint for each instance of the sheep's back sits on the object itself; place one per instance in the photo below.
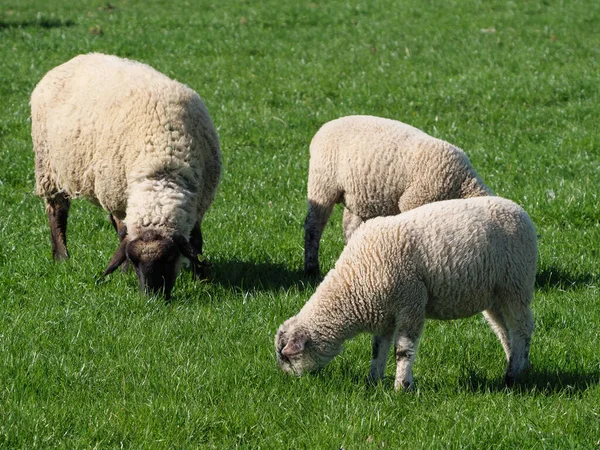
(467, 253)
(101, 120)
(375, 160)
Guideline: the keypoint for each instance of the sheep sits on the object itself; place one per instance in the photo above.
(378, 167)
(444, 260)
(136, 143)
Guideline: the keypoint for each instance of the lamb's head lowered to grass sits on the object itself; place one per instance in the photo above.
(299, 352)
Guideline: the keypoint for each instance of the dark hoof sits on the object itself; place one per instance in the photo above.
(509, 380)
(100, 279)
(59, 256)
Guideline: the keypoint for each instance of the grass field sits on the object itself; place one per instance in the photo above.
(515, 84)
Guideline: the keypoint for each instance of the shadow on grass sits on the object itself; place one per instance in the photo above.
(556, 278)
(37, 23)
(548, 383)
(259, 276)
(570, 384)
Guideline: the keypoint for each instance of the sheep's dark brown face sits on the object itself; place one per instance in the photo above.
(157, 261)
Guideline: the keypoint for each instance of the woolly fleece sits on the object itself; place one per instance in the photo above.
(379, 167)
(445, 260)
(128, 138)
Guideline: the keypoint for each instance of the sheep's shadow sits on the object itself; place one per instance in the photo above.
(37, 23)
(556, 278)
(248, 275)
(538, 382)
(534, 381)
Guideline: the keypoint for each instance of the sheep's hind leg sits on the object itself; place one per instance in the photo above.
(520, 325)
(416, 196)
(351, 222)
(57, 208)
(381, 348)
(316, 219)
(497, 322)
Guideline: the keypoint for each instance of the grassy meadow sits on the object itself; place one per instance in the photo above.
(515, 84)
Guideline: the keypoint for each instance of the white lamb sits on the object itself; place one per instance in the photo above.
(444, 260)
(135, 142)
(378, 167)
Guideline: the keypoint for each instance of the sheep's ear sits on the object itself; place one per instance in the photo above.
(296, 344)
(118, 258)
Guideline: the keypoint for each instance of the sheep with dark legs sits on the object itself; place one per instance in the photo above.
(138, 144)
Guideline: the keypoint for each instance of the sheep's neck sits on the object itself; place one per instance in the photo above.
(332, 316)
(159, 204)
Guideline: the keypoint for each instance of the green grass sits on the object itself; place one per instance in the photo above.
(515, 84)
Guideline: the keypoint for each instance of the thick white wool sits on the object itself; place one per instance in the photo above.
(127, 137)
(444, 260)
(379, 167)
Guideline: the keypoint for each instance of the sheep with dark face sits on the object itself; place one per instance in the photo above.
(378, 167)
(444, 260)
(135, 142)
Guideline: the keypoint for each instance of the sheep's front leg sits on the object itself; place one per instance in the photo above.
(381, 348)
(57, 209)
(119, 227)
(411, 320)
(121, 230)
(405, 351)
(316, 219)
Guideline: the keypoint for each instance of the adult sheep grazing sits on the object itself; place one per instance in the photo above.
(445, 260)
(135, 142)
(378, 167)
